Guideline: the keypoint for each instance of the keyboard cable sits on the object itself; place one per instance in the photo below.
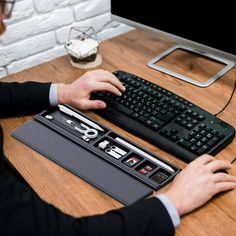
(231, 96)
(233, 160)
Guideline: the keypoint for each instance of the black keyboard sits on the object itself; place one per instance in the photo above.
(165, 119)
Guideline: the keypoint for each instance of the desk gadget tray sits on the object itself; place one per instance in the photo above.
(97, 154)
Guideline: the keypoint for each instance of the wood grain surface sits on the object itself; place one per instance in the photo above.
(130, 52)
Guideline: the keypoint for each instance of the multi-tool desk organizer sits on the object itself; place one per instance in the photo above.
(105, 159)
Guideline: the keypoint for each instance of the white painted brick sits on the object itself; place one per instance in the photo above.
(22, 10)
(35, 60)
(26, 48)
(6, 56)
(62, 34)
(37, 25)
(3, 72)
(98, 23)
(76, 1)
(43, 6)
(91, 8)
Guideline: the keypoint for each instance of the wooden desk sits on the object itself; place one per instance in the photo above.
(128, 52)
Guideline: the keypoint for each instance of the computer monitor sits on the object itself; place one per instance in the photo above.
(197, 27)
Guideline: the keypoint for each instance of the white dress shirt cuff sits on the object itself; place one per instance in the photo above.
(174, 215)
(53, 95)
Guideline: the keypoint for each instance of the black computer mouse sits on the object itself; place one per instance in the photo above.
(222, 171)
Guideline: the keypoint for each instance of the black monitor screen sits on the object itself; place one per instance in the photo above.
(209, 23)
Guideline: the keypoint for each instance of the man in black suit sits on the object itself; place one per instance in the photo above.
(22, 212)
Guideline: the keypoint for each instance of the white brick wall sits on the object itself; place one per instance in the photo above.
(38, 30)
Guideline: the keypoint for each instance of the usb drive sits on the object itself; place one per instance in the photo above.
(112, 153)
(118, 150)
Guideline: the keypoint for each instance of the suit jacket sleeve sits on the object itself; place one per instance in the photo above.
(23, 98)
(22, 212)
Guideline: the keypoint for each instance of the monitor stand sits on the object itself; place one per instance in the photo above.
(228, 65)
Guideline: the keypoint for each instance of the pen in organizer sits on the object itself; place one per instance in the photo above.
(70, 112)
(144, 154)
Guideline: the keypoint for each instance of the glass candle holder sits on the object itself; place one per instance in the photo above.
(82, 47)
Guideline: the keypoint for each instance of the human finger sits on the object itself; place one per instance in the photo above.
(117, 83)
(106, 76)
(104, 86)
(203, 160)
(223, 177)
(216, 165)
(110, 78)
(224, 186)
(92, 104)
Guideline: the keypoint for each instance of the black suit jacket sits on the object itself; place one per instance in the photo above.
(22, 212)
